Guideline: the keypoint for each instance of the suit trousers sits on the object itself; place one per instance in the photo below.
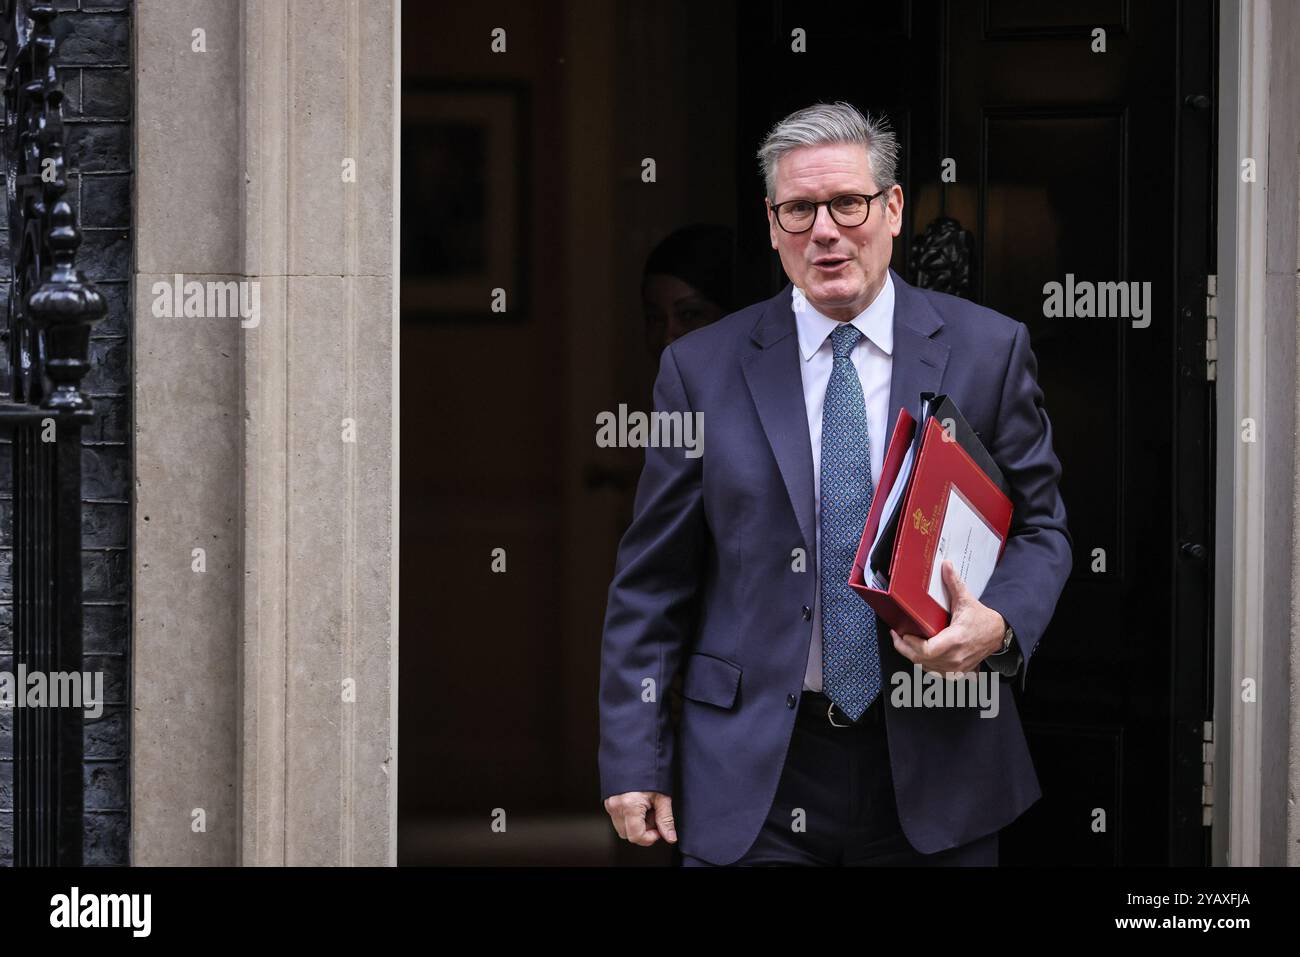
(834, 804)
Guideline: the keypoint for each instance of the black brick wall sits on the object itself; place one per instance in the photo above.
(94, 64)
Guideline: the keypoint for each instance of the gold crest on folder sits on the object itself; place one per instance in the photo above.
(921, 523)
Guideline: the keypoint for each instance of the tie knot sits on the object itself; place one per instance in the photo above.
(844, 339)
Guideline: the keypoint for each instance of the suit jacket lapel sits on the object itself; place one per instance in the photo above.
(773, 375)
(774, 380)
(918, 360)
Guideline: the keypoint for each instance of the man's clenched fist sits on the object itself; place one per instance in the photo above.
(642, 817)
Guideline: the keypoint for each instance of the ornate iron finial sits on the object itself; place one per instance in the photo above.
(941, 257)
(52, 305)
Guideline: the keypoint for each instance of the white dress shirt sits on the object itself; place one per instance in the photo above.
(873, 359)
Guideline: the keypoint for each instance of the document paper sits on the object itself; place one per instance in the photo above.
(880, 579)
(967, 541)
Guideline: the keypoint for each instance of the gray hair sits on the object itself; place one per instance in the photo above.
(838, 122)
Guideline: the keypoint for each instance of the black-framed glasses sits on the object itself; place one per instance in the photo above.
(847, 209)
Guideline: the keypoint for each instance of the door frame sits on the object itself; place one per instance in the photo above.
(1251, 751)
(1195, 442)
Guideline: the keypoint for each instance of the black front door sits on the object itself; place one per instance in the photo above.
(1074, 141)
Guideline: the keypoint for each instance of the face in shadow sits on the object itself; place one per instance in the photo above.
(673, 308)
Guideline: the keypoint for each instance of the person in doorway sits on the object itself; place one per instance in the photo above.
(686, 284)
(790, 749)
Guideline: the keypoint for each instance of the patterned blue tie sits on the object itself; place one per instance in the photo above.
(850, 658)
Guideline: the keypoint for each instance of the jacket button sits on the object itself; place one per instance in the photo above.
(807, 613)
(790, 700)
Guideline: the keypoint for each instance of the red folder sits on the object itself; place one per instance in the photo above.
(940, 465)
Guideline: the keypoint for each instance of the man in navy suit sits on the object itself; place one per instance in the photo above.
(793, 746)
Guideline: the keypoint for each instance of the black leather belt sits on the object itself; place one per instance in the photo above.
(813, 705)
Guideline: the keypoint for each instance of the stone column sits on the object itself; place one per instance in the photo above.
(266, 686)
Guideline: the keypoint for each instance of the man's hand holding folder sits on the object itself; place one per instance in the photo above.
(942, 505)
(974, 633)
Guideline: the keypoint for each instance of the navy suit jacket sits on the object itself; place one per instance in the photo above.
(705, 579)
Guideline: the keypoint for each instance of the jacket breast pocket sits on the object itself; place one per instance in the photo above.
(711, 680)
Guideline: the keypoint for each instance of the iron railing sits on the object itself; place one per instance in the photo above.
(51, 309)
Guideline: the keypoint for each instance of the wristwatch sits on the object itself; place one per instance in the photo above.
(1006, 641)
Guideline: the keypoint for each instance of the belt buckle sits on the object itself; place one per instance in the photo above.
(830, 708)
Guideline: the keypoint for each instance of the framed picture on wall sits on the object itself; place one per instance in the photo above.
(465, 200)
